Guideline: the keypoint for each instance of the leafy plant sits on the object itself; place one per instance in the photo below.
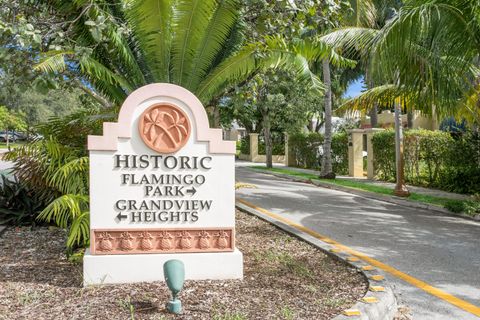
(199, 45)
(471, 208)
(245, 145)
(278, 146)
(60, 178)
(307, 150)
(432, 158)
(340, 153)
(19, 205)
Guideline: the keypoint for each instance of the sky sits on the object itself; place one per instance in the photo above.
(354, 89)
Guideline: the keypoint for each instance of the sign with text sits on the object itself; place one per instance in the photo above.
(161, 180)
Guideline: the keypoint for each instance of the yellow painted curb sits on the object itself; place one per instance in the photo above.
(377, 288)
(370, 300)
(377, 277)
(352, 259)
(351, 312)
(335, 250)
(462, 304)
(368, 268)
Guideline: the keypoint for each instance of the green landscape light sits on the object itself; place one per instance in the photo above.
(174, 272)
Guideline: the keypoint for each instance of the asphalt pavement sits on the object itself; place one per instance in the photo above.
(441, 250)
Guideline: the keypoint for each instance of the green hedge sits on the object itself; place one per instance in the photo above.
(340, 153)
(244, 146)
(432, 158)
(306, 150)
(462, 167)
(278, 140)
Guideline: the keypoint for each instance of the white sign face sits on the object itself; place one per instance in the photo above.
(161, 181)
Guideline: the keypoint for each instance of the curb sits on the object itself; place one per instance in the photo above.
(380, 197)
(379, 303)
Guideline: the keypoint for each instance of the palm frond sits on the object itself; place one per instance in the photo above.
(235, 69)
(110, 84)
(422, 47)
(385, 94)
(364, 13)
(79, 232)
(190, 21)
(352, 40)
(53, 61)
(63, 210)
(151, 24)
(126, 57)
(278, 54)
(71, 178)
(213, 41)
(316, 50)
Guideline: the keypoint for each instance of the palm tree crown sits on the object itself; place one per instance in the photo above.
(197, 44)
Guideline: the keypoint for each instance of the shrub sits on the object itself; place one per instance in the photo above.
(432, 158)
(468, 207)
(462, 167)
(434, 151)
(340, 153)
(383, 143)
(278, 147)
(19, 205)
(56, 169)
(306, 149)
(245, 145)
(60, 178)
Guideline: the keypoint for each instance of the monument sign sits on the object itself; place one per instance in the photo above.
(161, 188)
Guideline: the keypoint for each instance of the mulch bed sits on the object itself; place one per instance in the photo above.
(284, 278)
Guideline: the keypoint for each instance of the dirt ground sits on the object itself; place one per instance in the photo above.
(284, 278)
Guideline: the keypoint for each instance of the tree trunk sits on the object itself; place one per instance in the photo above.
(400, 188)
(410, 119)
(374, 110)
(268, 139)
(327, 171)
(216, 116)
(8, 140)
(374, 116)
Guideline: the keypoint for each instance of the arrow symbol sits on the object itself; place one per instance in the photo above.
(192, 191)
(121, 216)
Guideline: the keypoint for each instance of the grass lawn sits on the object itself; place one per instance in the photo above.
(3, 145)
(428, 199)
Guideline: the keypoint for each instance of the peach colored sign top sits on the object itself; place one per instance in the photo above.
(164, 128)
(112, 130)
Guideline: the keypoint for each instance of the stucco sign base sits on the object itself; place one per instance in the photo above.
(161, 188)
(111, 269)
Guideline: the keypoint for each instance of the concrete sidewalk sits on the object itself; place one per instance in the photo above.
(390, 185)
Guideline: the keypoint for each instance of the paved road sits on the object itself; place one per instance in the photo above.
(440, 250)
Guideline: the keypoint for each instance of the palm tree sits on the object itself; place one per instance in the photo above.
(118, 46)
(196, 44)
(424, 55)
(327, 170)
(427, 51)
(367, 14)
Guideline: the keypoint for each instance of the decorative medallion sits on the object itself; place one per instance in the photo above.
(164, 128)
